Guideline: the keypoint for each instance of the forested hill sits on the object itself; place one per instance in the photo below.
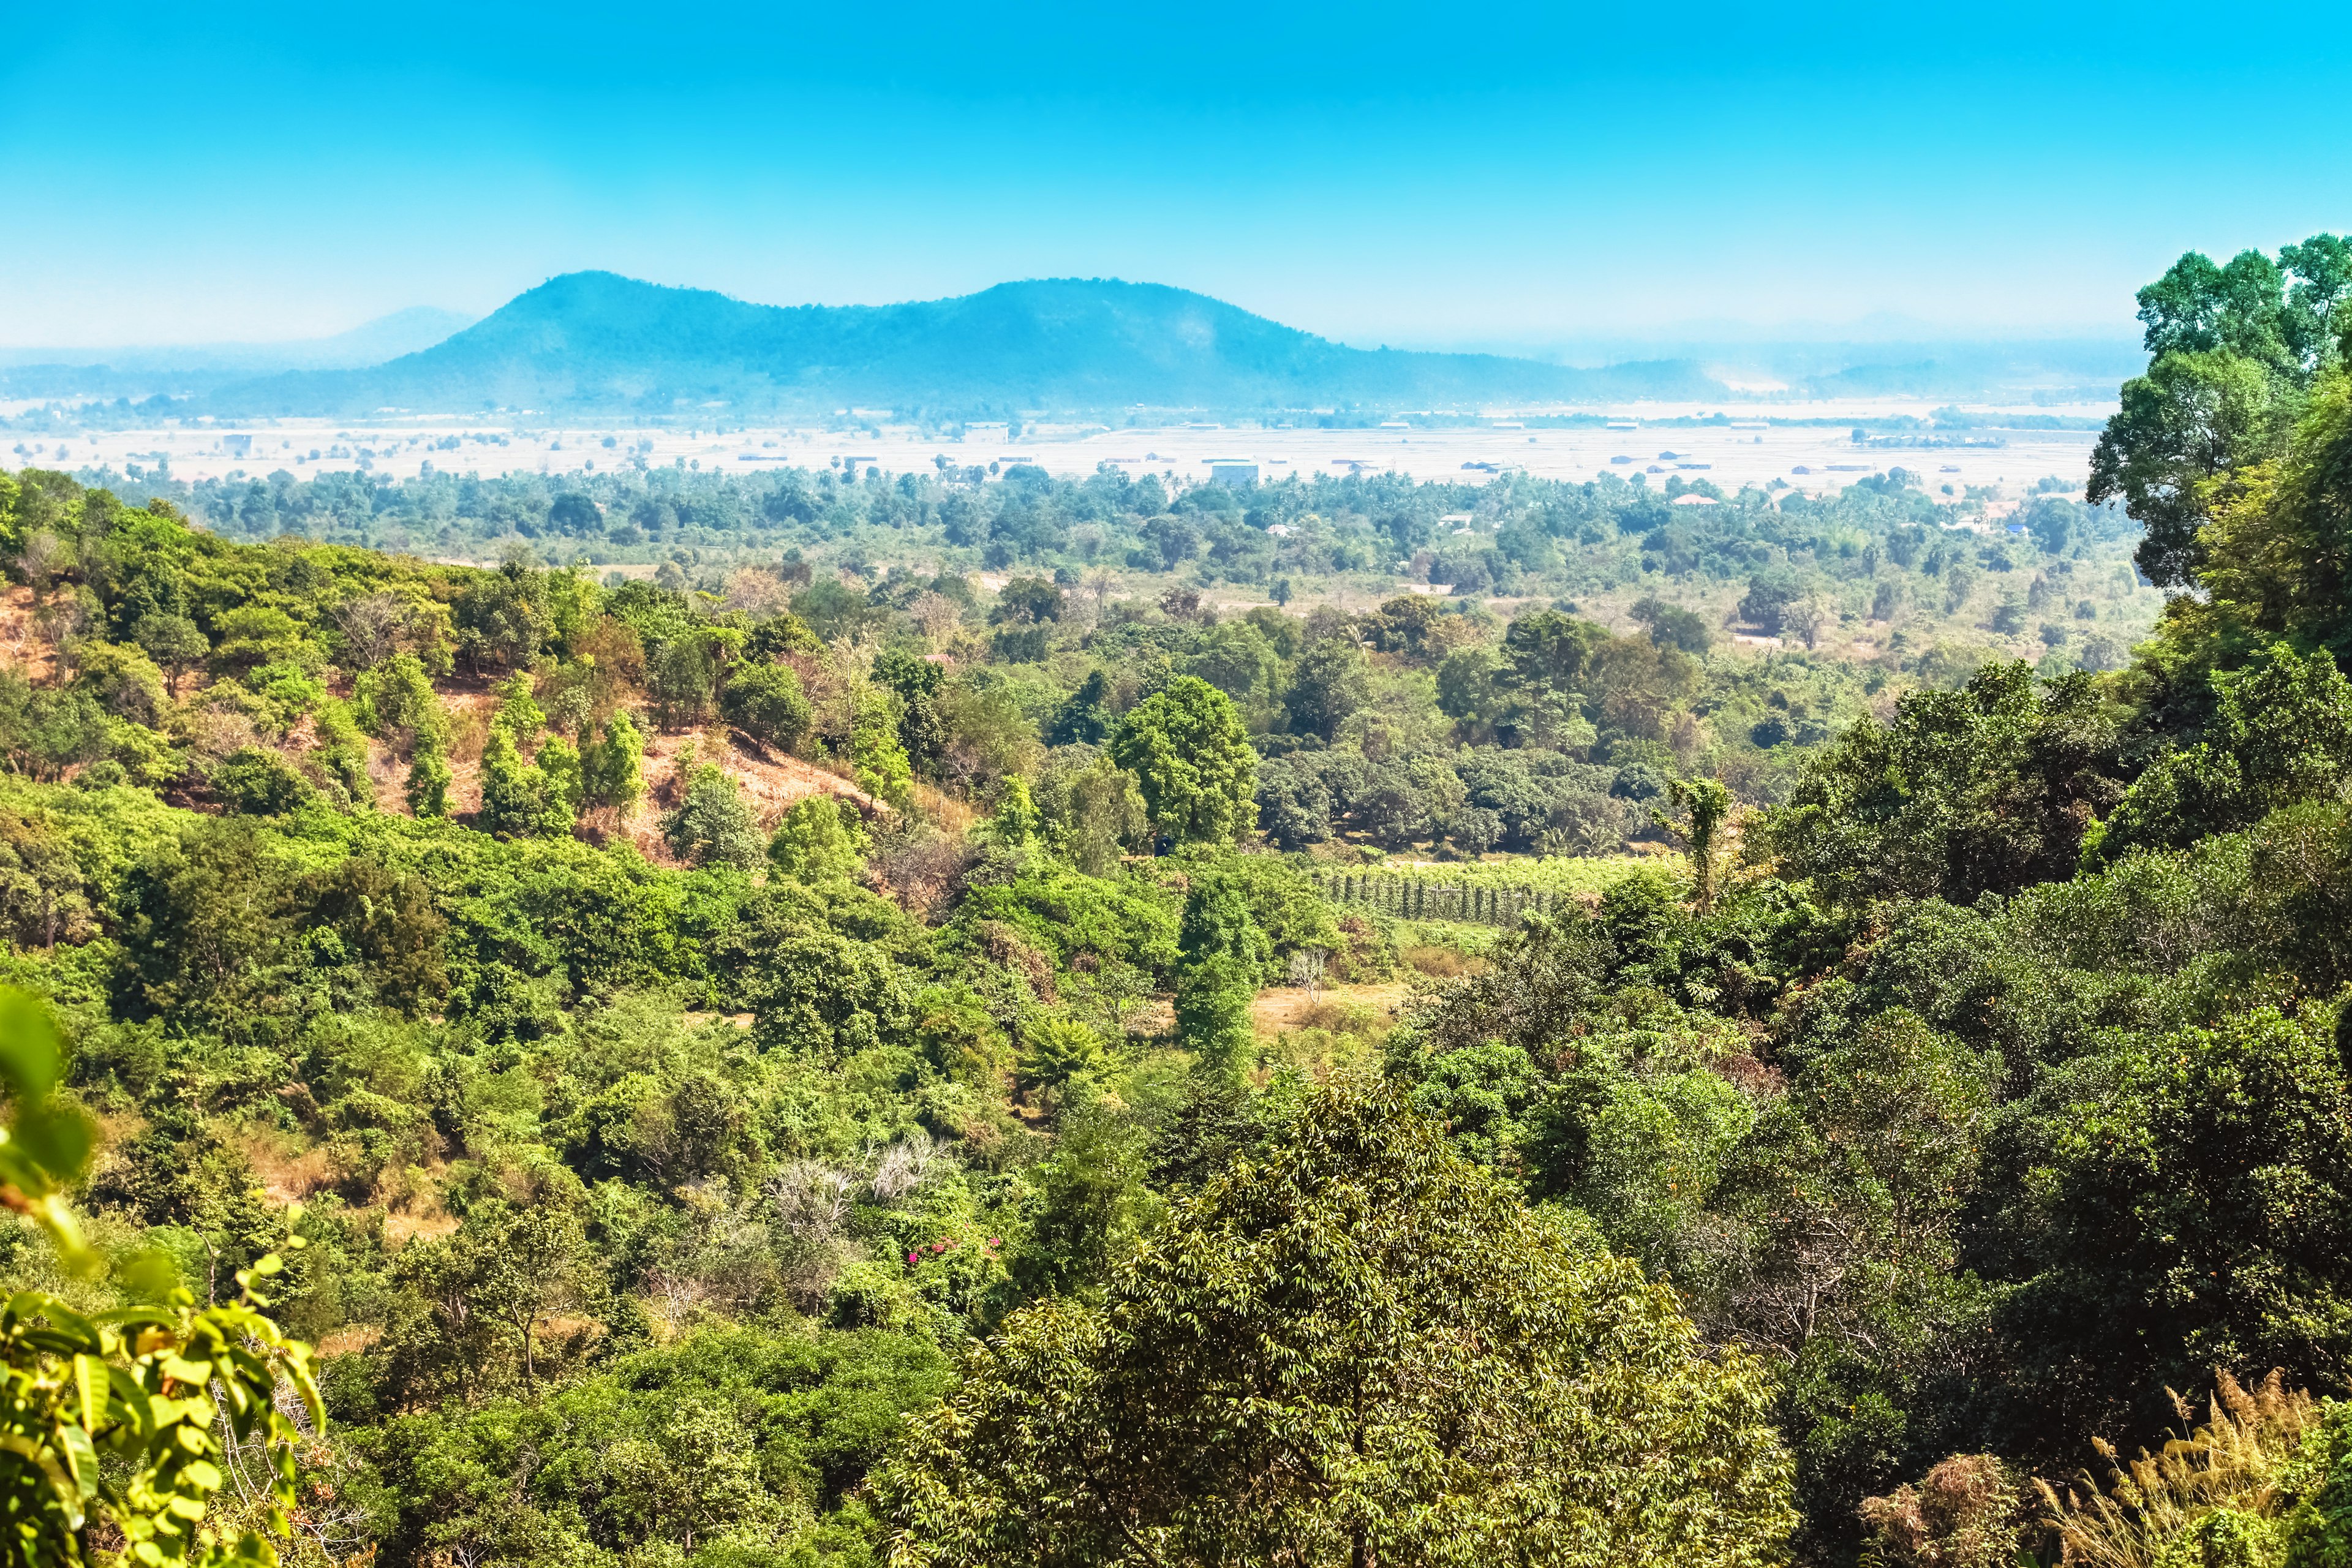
(594, 341)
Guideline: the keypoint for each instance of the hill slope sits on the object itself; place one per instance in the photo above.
(594, 341)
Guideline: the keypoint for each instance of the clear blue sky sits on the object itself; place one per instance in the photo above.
(1425, 176)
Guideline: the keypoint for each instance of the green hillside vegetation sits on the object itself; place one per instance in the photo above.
(594, 342)
(815, 1066)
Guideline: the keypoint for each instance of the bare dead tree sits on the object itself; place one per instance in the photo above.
(371, 625)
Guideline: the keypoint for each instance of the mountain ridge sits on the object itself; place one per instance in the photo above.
(598, 341)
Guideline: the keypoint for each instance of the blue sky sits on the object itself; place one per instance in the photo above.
(1423, 176)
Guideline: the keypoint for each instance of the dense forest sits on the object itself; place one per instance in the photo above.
(869, 1045)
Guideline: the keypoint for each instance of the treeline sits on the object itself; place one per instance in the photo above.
(1887, 549)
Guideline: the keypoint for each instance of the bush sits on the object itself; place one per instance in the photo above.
(258, 782)
(766, 702)
(520, 801)
(820, 839)
(125, 679)
(712, 824)
(1966, 1513)
(612, 768)
(43, 731)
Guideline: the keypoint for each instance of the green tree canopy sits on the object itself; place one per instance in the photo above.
(819, 840)
(2282, 733)
(1351, 1347)
(1986, 789)
(1189, 751)
(1222, 957)
(2231, 353)
(712, 823)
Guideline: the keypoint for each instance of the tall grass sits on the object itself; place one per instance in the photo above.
(2232, 1464)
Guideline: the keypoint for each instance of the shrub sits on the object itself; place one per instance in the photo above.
(766, 702)
(712, 824)
(258, 782)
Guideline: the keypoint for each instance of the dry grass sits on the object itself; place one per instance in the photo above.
(2231, 1461)
(1440, 962)
(953, 816)
(290, 1171)
(22, 647)
(1350, 1008)
(773, 783)
(408, 1227)
(347, 1341)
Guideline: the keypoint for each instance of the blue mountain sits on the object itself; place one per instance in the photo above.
(595, 341)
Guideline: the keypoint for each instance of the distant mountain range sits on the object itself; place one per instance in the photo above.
(594, 343)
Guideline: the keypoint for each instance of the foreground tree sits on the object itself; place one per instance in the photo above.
(2232, 350)
(1350, 1347)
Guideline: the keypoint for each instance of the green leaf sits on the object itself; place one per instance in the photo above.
(68, 1495)
(72, 1323)
(90, 1382)
(56, 1137)
(137, 1404)
(81, 1457)
(28, 1047)
(123, 1317)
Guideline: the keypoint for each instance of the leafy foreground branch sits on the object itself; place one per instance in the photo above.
(110, 1425)
(1354, 1346)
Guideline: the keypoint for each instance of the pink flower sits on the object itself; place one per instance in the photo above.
(911, 1258)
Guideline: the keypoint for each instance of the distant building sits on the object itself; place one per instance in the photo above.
(238, 446)
(1234, 473)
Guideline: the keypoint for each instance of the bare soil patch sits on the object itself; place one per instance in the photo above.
(1285, 1008)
